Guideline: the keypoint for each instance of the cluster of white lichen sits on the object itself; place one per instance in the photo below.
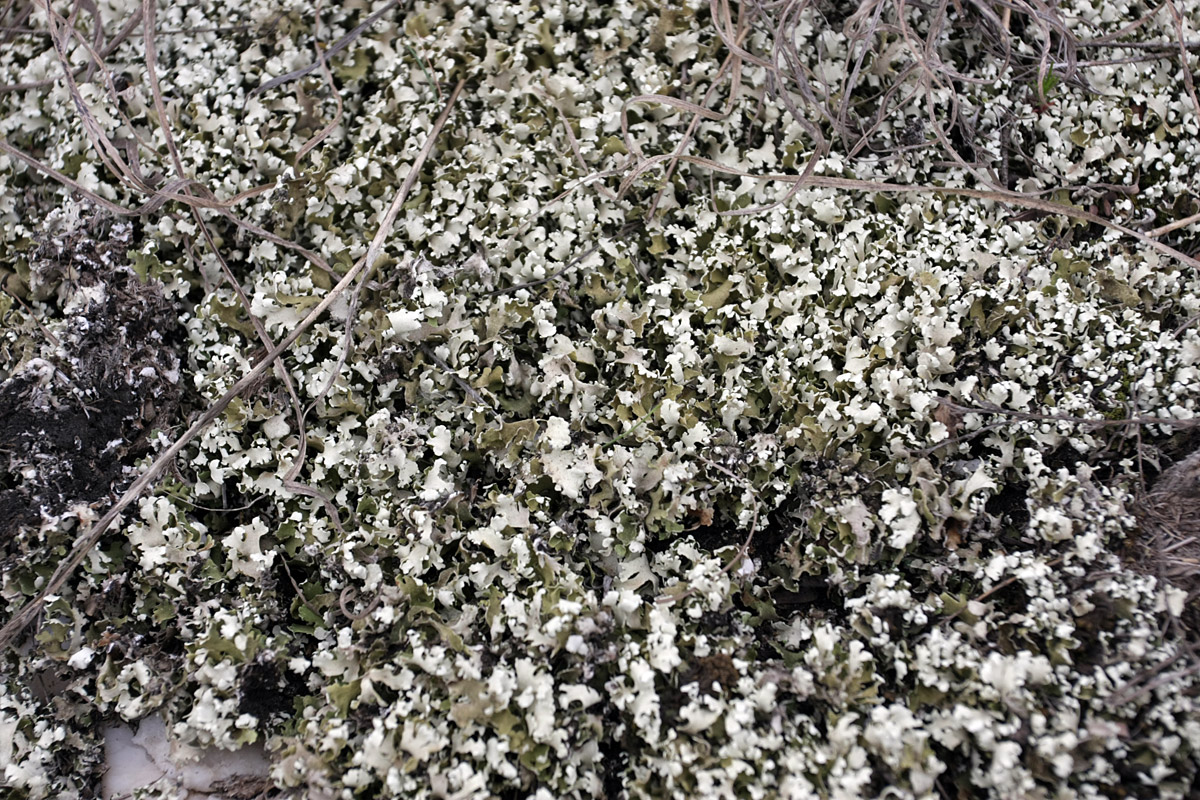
(503, 484)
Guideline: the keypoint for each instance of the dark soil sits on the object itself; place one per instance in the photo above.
(75, 418)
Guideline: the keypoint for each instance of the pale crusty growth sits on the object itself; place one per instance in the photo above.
(584, 501)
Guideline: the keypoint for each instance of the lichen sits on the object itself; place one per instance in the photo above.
(502, 550)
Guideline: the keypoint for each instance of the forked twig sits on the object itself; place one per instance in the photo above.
(1153, 678)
